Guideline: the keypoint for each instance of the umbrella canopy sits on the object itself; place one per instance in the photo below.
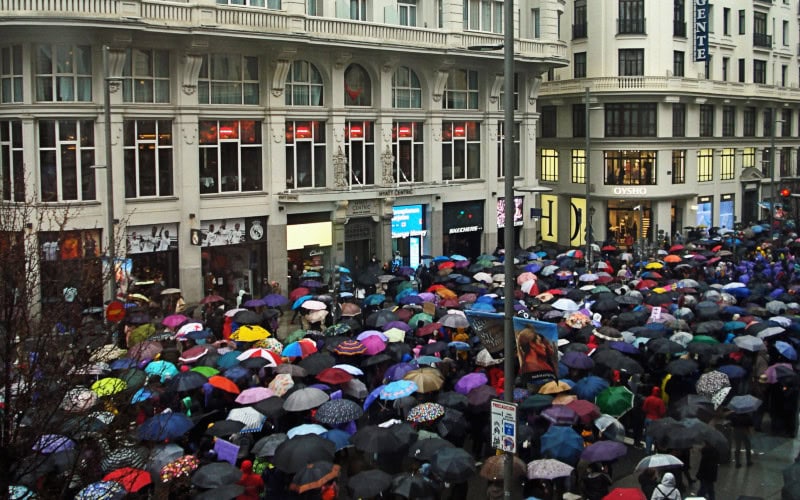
(376, 439)
(338, 411)
(368, 484)
(470, 381)
(604, 451)
(453, 465)
(305, 399)
(744, 404)
(216, 474)
(494, 466)
(656, 461)
(266, 446)
(427, 379)
(562, 443)
(711, 382)
(425, 412)
(293, 455)
(615, 401)
(560, 415)
(548, 468)
(416, 487)
(130, 478)
(164, 426)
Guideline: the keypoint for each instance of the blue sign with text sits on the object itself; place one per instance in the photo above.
(701, 30)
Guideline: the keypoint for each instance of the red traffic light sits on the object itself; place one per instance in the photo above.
(786, 192)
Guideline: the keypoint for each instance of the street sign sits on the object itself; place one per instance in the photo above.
(504, 426)
(115, 311)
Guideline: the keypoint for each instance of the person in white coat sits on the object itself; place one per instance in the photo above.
(666, 490)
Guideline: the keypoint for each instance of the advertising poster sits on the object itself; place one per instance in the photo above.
(537, 349)
(154, 238)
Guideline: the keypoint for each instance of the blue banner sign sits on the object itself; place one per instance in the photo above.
(701, 30)
(407, 221)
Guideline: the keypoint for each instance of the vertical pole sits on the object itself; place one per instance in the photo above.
(112, 279)
(772, 197)
(587, 175)
(509, 351)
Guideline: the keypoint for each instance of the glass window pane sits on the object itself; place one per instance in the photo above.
(147, 170)
(69, 173)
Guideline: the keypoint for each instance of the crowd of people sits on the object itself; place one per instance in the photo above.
(388, 396)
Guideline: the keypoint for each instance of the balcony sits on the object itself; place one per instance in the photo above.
(679, 28)
(579, 31)
(762, 40)
(275, 25)
(633, 26)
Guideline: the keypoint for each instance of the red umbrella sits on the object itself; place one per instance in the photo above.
(334, 376)
(676, 248)
(428, 329)
(447, 264)
(609, 248)
(646, 284)
(129, 478)
(625, 494)
(224, 384)
(209, 299)
(586, 410)
(298, 292)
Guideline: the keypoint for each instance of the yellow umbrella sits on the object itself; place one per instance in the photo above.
(395, 335)
(654, 265)
(109, 386)
(138, 296)
(554, 387)
(446, 293)
(250, 333)
(427, 379)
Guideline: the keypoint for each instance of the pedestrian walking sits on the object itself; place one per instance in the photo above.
(742, 424)
(707, 471)
(654, 409)
(666, 490)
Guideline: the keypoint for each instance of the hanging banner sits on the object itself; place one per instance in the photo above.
(225, 232)
(489, 329)
(501, 212)
(701, 30)
(155, 238)
(537, 349)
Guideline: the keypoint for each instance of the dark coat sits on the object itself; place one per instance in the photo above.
(709, 464)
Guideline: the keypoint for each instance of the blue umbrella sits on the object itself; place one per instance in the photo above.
(228, 360)
(733, 371)
(623, 347)
(459, 346)
(123, 363)
(143, 394)
(731, 326)
(338, 437)
(300, 300)
(372, 397)
(786, 350)
(342, 269)
(237, 372)
(398, 389)
(456, 256)
(578, 360)
(589, 387)
(409, 298)
(106, 490)
(164, 426)
(398, 371)
(162, 368)
(482, 307)
(441, 258)
(533, 268)
(275, 300)
(562, 443)
(375, 299)
(428, 360)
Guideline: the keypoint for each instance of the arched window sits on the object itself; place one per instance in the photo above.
(304, 85)
(357, 86)
(406, 90)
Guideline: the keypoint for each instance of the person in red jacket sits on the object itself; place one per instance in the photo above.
(654, 409)
(252, 482)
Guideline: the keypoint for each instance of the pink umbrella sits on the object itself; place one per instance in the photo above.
(254, 395)
(174, 320)
(374, 345)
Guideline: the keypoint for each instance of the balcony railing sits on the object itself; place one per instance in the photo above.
(634, 26)
(762, 40)
(579, 31)
(679, 28)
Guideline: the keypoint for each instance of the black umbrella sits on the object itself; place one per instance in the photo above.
(369, 483)
(380, 318)
(317, 362)
(374, 439)
(658, 299)
(709, 327)
(247, 318)
(314, 476)
(628, 300)
(606, 306)
(366, 278)
(415, 487)
(452, 399)
(453, 465)
(681, 366)
(664, 346)
(271, 407)
(216, 474)
(405, 433)
(706, 310)
(126, 456)
(424, 449)
(266, 446)
(453, 423)
(376, 360)
(223, 428)
(224, 492)
(693, 406)
(434, 347)
(186, 381)
(294, 454)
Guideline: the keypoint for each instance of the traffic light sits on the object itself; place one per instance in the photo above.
(786, 193)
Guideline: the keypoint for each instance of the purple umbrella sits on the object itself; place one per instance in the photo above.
(560, 415)
(255, 303)
(310, 284)
(623, 347)
(398, 371)
(51, 443)
(604, 451)
(275, 300)
(372, 397)
(470, 381)
(578, 360)
(400, 325)
(174, 320)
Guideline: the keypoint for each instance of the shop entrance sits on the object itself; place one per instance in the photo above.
(628, 221)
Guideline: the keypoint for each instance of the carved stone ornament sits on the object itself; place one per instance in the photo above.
(191, 71)
(189, 132)
(387, 161)
(339, 170)
(497, 87)
(282, 67)
(535, 85)
(278, 133)
(439, 83)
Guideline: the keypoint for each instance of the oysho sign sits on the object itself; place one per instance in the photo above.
(631, 191)
(700, 30)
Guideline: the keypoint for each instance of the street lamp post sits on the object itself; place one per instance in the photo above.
(587, 174)
(112, 280)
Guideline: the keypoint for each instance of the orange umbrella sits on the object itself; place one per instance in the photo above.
(224, 384)
(446, 293)
(672, 259)
(129, 478)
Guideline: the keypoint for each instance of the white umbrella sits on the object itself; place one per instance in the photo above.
(252, 419)
(770, 331)
(313, 305)
(563, 304)
(483, 277)
(749, 343)
(657, 460)
(352, 370)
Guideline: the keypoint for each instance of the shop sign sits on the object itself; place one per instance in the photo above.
(630, 191)
(407, 221)
(463, 217)
(361, 208)
(501, 212)
(224, 232)
(358, 230)
(700, 30)
(151, 238)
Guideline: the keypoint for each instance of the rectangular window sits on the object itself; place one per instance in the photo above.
(749, 122)
(785, 33)
(461, 150)
(727, 168)
(271, 4)
(748, 157)
(63, 73)
(579, 65)
(635, 168)
(706, 120)
(630, 119)
(707, 66)
(359, 152)
(483, 15)
(766, 162)
(679, 166)
(631, 17)
(12, 168)
(705, 211)
(11, 74)
(728, 121)
(536, 29)
(769, 123)
(230, 156)
(502, 99)
(786, 122)
(678, 120)
(631, 62)
(705, 165)
(579, 21)
(578, 166)
(760, 37)
(409, 152)
(679, 18)
(148, 158)
(549, 165)
(461, 91)
(228, 79)
(66, 155)
(145, 76)
(548, 121)
(784, 74)
(501, 164)
(726, 211)
(742, 22)
(358, 10)
(407, 12)
(677, 63)
(305, 154)
(726, 62)
(759, 71)
(741, 71)
(726, 21)
(314, 7)
(786, 154)
(578, 120)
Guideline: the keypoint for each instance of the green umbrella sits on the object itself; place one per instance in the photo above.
(425, 318)
(294, 336)
(141, 333)
(206, 371)
(403, 285)
(337, 329)
(615, 401)
(133, 377)
(705, 339)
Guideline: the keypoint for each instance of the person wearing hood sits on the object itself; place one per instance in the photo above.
(654, 409)
(252, 482)
(666, 490)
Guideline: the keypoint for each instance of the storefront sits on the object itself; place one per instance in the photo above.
(628, 221)
(463, 228)
(409, 236)
(309, 240)
(234, 256)
(501, 219)
(151, 257)
(71, 268)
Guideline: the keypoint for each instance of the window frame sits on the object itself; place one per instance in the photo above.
(311, 87)
(749, 117)
(579, 64)
(633, 119)
(306, 154)
(359, 151)
(727, 164)
(414, 142)
(679, 166)
(578, 166)
(213, 140)
(483, 15)
(54, 81)
(11, 74)
(728, 121)
(706, 120)
(413, 90)
(248, 88)
(12, 161)
(625, 167)
(163, 157)
(500, 140)
(159, 85)
(705, 165)
(678, 63)
(464, 145)
(83, 145)
(407, 13)
(549, 165)
(678, 119)
(631, 62)
(468, 91)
